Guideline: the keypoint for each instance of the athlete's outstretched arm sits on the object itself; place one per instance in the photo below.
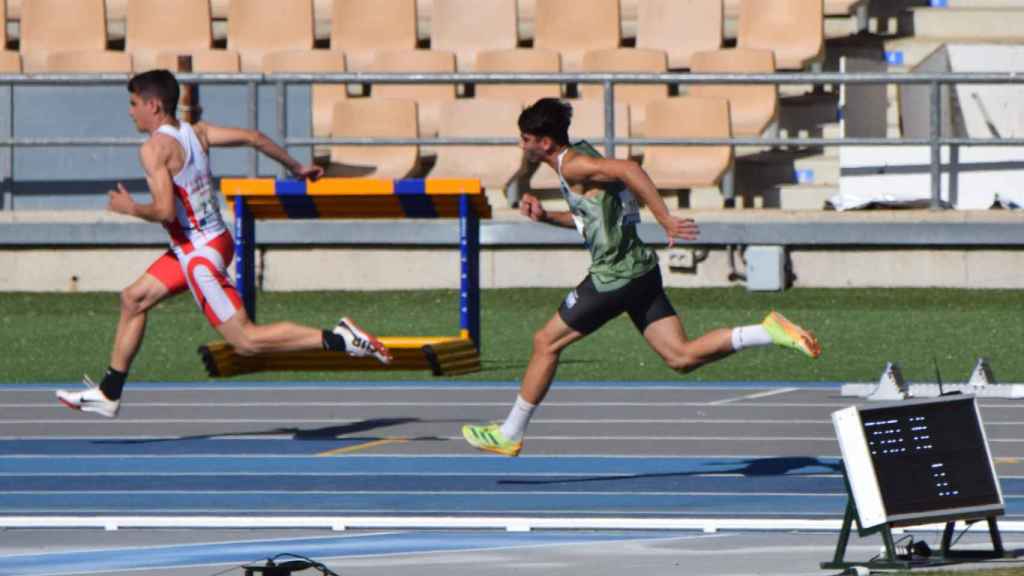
(633, 176)
(231, 136)
(153, 156)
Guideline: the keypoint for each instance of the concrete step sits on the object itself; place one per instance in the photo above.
(820, 169)
(969, 23)
(1019, 4)
(801, 197)
(984, 3)
(903, 54)
(773, 167)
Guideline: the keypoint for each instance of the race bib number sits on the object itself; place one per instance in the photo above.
(630, 207)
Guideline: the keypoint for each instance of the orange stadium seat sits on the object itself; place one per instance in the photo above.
(203, 61)
(684, 167)
(793, 29)
(373, 118)
(259, 27)
(753, 107)
(572, 27)
(636, 95)
(53, 26)
(152, 29)
(88, 63)
(428, 96)
(832, 7)
(361, 29)
(679, 27)
(467, 27)
(10, 62)
(324, 96)
(476, 118)
(518, 61)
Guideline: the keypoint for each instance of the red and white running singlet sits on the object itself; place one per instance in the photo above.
(195, 202)
(201, 246)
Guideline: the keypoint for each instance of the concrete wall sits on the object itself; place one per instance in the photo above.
(408, 269)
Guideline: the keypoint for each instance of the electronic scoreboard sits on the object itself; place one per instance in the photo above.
(918, 461)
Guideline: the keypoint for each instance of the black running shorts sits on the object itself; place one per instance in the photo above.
(585, 309)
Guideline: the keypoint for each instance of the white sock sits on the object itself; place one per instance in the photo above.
(749, 336)
(515, 425)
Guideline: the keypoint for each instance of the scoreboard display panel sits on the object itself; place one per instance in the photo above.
(917, 461)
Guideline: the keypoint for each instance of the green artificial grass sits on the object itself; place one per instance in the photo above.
(58, 337)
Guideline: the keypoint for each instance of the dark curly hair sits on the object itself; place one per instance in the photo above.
(547, 117)
(159, 84)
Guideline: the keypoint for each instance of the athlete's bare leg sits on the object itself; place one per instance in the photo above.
(249, 338)
(668, 338)
(548, 343)
(136, 300)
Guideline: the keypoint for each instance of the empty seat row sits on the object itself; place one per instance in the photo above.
(755, 107)
(526, 12)
(791, 28)
(671, 167)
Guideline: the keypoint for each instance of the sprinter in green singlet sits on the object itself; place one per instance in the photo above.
(624, 274)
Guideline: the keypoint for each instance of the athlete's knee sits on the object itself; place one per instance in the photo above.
(134, 300)
(544, 343)
(244, 346)
(243, 343)
(681, 361)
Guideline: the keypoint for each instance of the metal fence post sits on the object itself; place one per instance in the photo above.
(953, 176)
(253, 125)
(8, 175)
(609, 119)
(934, 133)
(281, 91)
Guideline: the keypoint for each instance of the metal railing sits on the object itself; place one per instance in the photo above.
(935, 141)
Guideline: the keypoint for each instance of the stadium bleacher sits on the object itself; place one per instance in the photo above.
(425, 36)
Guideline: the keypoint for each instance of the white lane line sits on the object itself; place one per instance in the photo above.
(631, 493)
(596, 475)
(754, 396)
(428, 421)
(759, 438)
(143, 404)
(286, 420)
(438, 518)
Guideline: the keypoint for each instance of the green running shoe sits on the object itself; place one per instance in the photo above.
(488, 437)
(788, 334)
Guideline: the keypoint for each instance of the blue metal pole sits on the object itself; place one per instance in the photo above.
(469, 254)
(245, 256)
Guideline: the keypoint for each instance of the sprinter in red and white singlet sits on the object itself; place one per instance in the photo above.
(176, 162)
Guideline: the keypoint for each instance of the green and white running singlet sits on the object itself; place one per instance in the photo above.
(607, 221)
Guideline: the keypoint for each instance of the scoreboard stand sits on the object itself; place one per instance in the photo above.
(893, 560)
(912, 463)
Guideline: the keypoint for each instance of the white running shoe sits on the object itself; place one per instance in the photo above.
(90, 400)
(360, 343)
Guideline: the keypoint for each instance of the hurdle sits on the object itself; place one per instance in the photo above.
(254, 199)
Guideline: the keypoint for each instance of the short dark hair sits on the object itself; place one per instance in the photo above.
(159, 84)
(547, 117)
